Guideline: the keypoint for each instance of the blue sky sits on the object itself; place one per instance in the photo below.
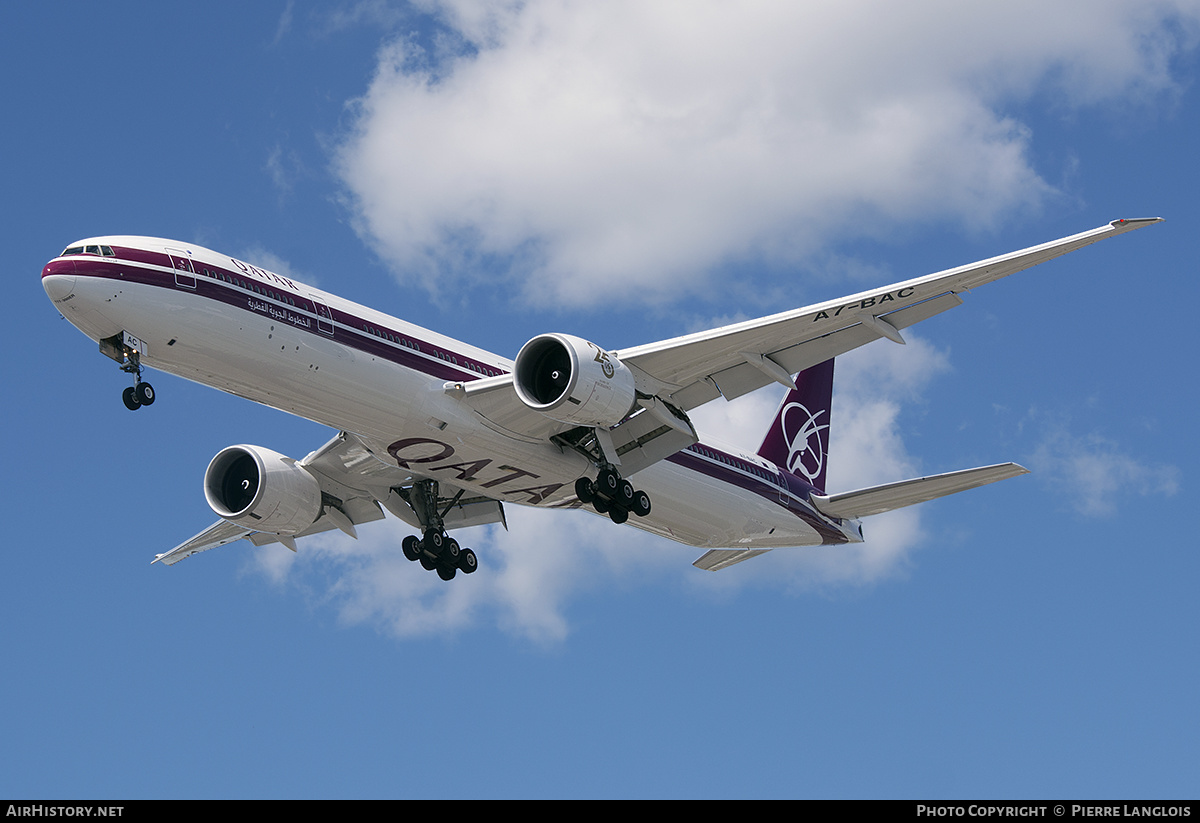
(625, 172)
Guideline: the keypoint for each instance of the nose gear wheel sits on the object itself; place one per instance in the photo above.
(140, 393)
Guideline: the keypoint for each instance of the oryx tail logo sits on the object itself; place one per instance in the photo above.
(798, 439)
(807, 440)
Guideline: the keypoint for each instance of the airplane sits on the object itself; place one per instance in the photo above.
(443, 434)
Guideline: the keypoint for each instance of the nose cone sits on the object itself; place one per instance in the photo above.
(58, 279)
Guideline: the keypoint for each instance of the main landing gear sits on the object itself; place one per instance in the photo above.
(441, 553)
(436, 550)
(613, 495)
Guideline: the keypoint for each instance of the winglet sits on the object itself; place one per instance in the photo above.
(1135, 222)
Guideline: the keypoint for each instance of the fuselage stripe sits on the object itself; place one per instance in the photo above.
(236, 289)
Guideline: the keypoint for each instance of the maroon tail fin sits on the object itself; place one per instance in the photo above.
(798, 440)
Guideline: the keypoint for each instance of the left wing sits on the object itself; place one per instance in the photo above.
(691, 370)
(677, 375)
(354, 484)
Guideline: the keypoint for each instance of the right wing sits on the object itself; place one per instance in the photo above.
(354, 484)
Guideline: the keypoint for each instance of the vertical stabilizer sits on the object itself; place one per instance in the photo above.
(798, 439)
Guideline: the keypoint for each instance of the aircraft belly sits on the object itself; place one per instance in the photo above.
(705, 512)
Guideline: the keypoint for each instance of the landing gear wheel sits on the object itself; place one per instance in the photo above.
(468, 562)
(144, 393)
(447, 572)
(131, 399)
(411, 547)
(601, 505)
(450, 552)
(641, 504)
(435, 540)
(584, 490)
(608, 483)
(427, 564)
(625, 494)
(618, 515)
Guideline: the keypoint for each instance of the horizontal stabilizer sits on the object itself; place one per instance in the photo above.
(879, 499)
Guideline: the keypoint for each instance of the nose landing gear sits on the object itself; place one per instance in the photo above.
(138, 395)
(126, 350)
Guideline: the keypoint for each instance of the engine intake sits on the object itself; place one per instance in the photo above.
(262, 490)
(573, 381)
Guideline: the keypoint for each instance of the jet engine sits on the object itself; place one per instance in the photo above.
(262, 490)
(573, 381)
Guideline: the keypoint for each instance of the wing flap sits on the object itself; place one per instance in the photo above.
(878, 499)
(218, 534)
(745, 377)
(717, 559)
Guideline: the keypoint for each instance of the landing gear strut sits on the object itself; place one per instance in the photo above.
(613, 495)
(435, 550)
(140, 393)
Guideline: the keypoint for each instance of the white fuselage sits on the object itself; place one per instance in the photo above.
(227, 324)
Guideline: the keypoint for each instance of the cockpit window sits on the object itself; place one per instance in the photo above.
(104, 251)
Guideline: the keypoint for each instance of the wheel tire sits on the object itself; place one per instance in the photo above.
(451, 551)
(129, 396)
(625, 494)
(641, 504)
(447, 572)
(411, 547)
(144, 393)
(608, 483)
(435, 541)
(601, 505)
(584, 491)
(427, 564)
(618, 515)
(468, 562)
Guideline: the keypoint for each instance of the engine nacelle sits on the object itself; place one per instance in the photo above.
(573, 381)
(262, 490)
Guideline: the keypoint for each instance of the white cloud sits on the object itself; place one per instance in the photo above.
(525, 579)
(577, 148)
(1093, 471)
